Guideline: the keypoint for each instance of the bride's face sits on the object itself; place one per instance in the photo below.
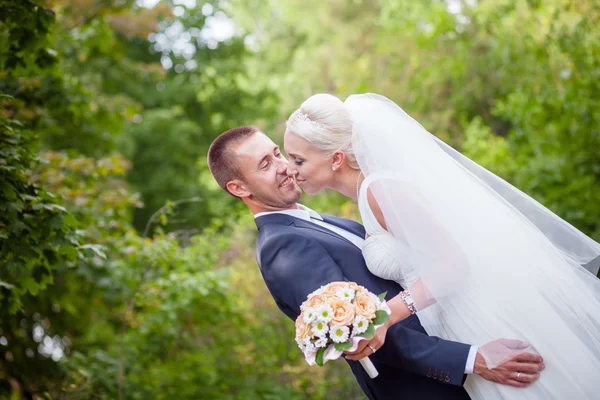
(312, 171)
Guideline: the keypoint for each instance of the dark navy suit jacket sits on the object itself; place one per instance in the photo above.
(297, 257)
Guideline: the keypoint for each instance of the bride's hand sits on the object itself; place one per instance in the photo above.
(368, 347)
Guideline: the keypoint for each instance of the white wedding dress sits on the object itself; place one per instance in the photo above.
(496, 268)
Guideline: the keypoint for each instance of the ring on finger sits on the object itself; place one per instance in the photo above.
(518, 376)
(372, 348)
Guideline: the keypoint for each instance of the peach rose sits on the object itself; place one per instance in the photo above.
(315, 301)
(361, 289)
(332, 289)
(364, 306)
(343, 312)
(302, 328)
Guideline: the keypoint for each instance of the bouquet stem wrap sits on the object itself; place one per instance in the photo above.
(369, 367)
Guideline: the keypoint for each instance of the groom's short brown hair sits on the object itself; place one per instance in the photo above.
(222, 162)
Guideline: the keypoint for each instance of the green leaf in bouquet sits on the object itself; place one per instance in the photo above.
(381, 317)
(382, 296)
(320, 355)
(369, 332)
(343, 346)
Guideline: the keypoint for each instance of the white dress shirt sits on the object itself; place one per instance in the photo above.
(305, 213)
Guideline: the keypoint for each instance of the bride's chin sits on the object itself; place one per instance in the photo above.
(310, 191)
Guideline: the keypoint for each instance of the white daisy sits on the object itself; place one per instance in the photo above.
(339, 333)
(375, 299)
(319, 328)
(309, 315)
(324, 313)
(310, 347)
(306, 345)
(360, 325)
(346, 294)
(319, 291)
(301, 344)
(321, 342)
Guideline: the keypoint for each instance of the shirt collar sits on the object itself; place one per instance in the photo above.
(301, 212)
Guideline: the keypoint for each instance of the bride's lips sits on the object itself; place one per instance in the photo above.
(299, 182)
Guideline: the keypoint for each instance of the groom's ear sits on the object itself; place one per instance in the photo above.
(238, 188)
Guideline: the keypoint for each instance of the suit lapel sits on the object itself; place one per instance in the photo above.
(300, 223)
(350, 226)
(279, 219)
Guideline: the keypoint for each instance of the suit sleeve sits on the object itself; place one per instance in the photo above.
(430, 356)
(294, 266)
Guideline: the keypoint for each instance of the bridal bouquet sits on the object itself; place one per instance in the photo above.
(335, 318)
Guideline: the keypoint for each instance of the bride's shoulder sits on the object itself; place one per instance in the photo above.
(375, 210)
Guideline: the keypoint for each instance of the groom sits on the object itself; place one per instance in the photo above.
(299, 250)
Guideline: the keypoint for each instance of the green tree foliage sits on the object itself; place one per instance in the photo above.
(52, 71)
(127, 273)
(36, 232)
(550, 109)
(61, 313)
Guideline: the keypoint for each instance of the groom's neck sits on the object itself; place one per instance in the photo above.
(260, 208)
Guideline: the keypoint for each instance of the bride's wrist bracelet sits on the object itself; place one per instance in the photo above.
(408, 301)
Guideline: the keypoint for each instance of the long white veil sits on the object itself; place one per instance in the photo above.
(497, 262)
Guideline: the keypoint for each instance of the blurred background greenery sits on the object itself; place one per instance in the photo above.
(124, 271)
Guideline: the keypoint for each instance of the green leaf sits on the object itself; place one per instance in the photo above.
(6, 285)
(163, 219)
(369, 332)
(68, 251)
(53, 207)
(381, 317)
(320, 355)
(49, 207)
(95, 248)
(30, 285)
(382, 296)
(343, 346)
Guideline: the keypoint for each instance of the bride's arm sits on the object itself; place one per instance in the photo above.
(399, 305)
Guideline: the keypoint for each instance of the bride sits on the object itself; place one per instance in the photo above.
(479, 259)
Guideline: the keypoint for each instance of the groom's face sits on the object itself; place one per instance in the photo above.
(265, 185)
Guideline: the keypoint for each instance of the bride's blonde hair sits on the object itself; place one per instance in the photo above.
(325, 122)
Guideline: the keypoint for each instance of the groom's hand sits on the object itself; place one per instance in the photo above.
(519, 370)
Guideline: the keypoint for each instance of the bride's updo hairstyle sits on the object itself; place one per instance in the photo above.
(324, 121)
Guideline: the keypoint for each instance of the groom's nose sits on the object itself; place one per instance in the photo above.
(282, 170)
(282, 167)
